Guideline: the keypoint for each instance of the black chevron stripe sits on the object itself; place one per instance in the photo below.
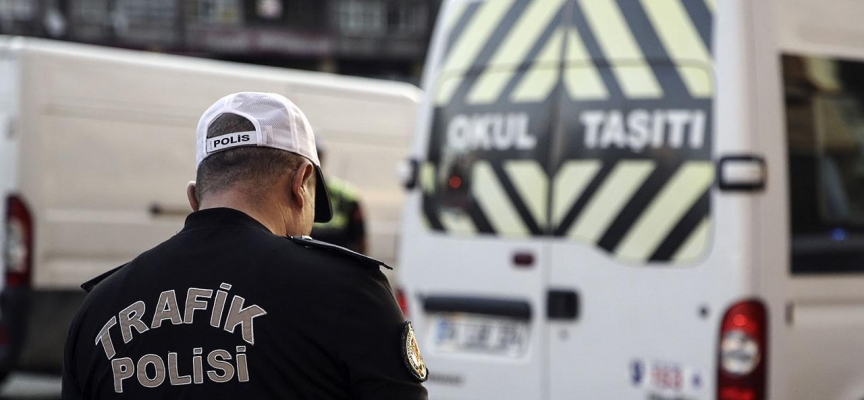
(516, 200)
(659, 60)
(586, 195)
(683, 229)
(636, 205)
(431, 213)
(479, 65)
(479, 218)
(593, 47)
(537, 47)
(703, 20)
(460, 25)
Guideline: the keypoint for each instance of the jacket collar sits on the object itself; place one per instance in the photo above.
(221, 217)
(209, 218)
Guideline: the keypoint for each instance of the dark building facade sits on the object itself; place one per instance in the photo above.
(377, 38)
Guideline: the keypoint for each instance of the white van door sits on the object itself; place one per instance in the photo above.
(630, 311)
(825, 139)
(473, 249)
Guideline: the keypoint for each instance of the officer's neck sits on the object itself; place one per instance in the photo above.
(269, 213)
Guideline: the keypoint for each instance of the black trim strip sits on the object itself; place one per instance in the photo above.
(517, 309)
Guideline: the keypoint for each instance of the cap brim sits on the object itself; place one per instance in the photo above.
(323, 209)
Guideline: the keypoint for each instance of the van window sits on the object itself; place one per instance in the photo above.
(824, 100)
(488, 166)
(588, 121)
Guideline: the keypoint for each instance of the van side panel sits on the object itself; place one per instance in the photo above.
(9, 112)
(651, 313)
(639, 253)
(107, 144)
(824, 315)
(107, 147)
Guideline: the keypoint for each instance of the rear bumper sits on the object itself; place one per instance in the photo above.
(33, 327)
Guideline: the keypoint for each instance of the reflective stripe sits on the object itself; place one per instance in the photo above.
(581, 78)
(493, 200)
(682, 43)
(468, 46)
(446, 87)
(532, 184)
(712, 5)
(570, 183)
(610, 198)
(427, 178)
(540, 80)
(665, 211)
(636, 78)
(513, 50)
(457, 222)
(694, 247)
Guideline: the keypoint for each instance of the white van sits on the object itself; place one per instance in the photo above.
(640, 199)
(97, 145)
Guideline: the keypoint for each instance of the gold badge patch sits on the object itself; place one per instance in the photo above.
(411, 353)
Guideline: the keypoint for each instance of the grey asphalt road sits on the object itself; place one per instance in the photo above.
(31, 387)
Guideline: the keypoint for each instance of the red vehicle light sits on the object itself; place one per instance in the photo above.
(18, 248)
(402, 299)
(742, 352)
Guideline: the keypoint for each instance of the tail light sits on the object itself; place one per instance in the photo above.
(18, 249)
(403, 301)
(743, 352)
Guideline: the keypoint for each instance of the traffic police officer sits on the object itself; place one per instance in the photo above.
(240, 304)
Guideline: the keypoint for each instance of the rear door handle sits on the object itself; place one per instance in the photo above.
(562, 305)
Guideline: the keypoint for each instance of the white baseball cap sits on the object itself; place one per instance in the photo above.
(279, 124)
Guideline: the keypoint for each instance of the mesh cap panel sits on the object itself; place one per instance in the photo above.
(279, 124)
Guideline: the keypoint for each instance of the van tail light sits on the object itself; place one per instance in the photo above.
(743, 352)
(18, 249)
(402, 299)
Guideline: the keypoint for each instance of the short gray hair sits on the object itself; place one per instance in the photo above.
(250, 168)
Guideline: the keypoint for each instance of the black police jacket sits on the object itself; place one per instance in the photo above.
(227, 310)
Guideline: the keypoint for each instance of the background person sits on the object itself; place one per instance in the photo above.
(238, 304)
(347, 228)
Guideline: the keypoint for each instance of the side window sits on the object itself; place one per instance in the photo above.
(588, 120)
(633, 176)
(486, 171)
(493, 119)
(824, 100)
(632, 168)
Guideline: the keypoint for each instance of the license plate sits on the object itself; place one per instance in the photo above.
(480, 335)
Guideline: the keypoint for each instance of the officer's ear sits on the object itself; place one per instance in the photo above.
(300, 183)
(190, 194)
